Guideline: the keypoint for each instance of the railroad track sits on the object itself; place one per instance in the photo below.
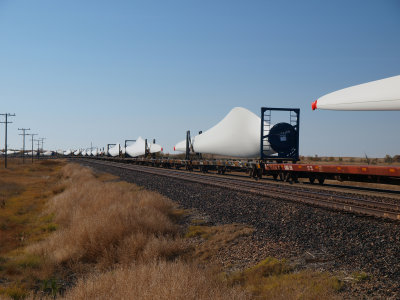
(348, 203)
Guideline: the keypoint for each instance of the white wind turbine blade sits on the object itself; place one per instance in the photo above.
(381, 94)
(137, 148)
(114, 151)
(154, 148)
(237, 135)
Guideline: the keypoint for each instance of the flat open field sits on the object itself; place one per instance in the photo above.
(67, 231)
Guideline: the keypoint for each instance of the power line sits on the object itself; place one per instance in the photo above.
(6, 122)
(23, 144)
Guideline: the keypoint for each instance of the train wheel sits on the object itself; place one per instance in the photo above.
(295, 178)
(288, 177)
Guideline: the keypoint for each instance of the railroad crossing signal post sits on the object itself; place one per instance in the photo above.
(5, 148)
(23, 143)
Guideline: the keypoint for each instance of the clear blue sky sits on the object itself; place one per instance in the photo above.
(104, 71)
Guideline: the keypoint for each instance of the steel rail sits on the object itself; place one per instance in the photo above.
(270, 185)
(288, 193)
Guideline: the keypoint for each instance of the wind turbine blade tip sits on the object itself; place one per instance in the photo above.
(314, 105)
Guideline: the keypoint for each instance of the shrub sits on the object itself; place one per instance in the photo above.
(107, 223)
(388, 159)
(155, 280)
(15, 292)
(275, 279)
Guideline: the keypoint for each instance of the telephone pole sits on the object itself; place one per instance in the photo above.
(5, 148)
(32, 135)
(41, 140)
(23, 143)
(38, 147)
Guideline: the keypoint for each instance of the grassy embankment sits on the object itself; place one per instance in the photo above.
(24, 192)
(70, 233)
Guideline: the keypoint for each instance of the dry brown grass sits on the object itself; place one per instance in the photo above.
(215, 238)
(276, 279)
(107, 223)
(24, 191)
(122, 242)
(129, 236)
(23, 194)
(155, 280)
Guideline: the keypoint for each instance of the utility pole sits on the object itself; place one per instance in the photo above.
(23, 143)
(32, 135)
(5, 148)
(38, 147)
(42, 139)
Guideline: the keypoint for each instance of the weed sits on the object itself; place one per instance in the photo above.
(361, 276)
(178, 214)
(15, 292)
(275, 279)
(52, 227)
(216, 238)
(29, 261)
(58, 189)
(198, 221)
(50, 287)
(196, 230)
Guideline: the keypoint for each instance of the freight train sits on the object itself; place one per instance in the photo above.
(246, 143)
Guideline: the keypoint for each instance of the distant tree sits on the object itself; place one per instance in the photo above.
(388, 159)
(396, 158)
(331, 158)
(351, 159)
(340, 159)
